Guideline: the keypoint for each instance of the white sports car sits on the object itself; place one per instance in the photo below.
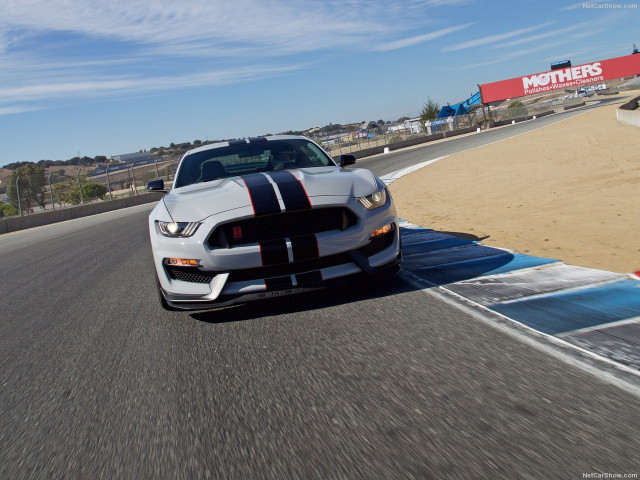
(261, 217)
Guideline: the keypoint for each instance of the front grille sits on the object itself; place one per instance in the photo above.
(289, 268)
(189, 274)
(378, 244)
(281, 225)
(194, 275)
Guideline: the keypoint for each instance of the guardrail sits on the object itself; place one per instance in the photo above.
(461, 124)
(41, 192)
(435, 131)
(12, 224)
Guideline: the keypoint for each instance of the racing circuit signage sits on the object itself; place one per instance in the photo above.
(565, 78)
(568, 77)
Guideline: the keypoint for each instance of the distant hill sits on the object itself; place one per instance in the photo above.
(176, 150)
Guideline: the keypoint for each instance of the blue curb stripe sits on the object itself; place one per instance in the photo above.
(433, 245)
(581, 305)
(507, 262)
(451, 255)
(411, 231)
(408, 239)
(565, 312)
(487, 290)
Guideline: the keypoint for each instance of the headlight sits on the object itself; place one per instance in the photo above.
(375, 200)
(178, 229)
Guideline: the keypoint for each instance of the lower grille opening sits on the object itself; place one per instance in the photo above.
(378, 244)
(289, 268)
(189, 274)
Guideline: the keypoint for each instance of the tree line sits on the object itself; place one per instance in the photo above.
(27, 190)
(59, 163)
(175, 148)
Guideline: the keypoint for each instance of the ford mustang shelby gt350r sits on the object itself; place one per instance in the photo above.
(260, 217)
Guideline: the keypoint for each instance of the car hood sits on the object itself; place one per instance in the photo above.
(199, 201)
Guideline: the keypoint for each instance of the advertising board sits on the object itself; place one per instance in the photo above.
(570, 77)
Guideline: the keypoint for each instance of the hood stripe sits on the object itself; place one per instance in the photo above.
(293, 193)
(262, 193)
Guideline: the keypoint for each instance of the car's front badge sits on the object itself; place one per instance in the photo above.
(237, 233)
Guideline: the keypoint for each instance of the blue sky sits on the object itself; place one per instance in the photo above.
(106, 78)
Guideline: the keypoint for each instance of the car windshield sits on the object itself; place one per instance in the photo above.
(241, 158)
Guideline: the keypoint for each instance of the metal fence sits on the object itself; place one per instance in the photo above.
(29, 194)
(349, 142)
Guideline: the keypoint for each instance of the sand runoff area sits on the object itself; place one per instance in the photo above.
(569, 191)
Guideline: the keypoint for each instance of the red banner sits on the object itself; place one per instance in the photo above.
(570, 77)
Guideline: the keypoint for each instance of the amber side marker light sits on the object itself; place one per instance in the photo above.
(185, 262)
(382, 231)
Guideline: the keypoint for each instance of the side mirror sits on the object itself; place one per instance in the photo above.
(156, 186)
(346, 159)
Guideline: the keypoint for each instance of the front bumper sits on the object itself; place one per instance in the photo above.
(228, 276)
(225, 293)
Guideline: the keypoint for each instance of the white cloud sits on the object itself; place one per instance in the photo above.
(52, 50)
(407, 42)
(567, 55)
(17, 109)
(495, 38)
(529, 39)
(125, 85)
(587, 34)
(198, 23)
(511, 56)
(572, 7)
(200, 27)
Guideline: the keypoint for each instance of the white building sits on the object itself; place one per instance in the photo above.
(131, 157)
(412, 125)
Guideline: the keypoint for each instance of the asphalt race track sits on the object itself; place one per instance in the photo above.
(376, 381)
